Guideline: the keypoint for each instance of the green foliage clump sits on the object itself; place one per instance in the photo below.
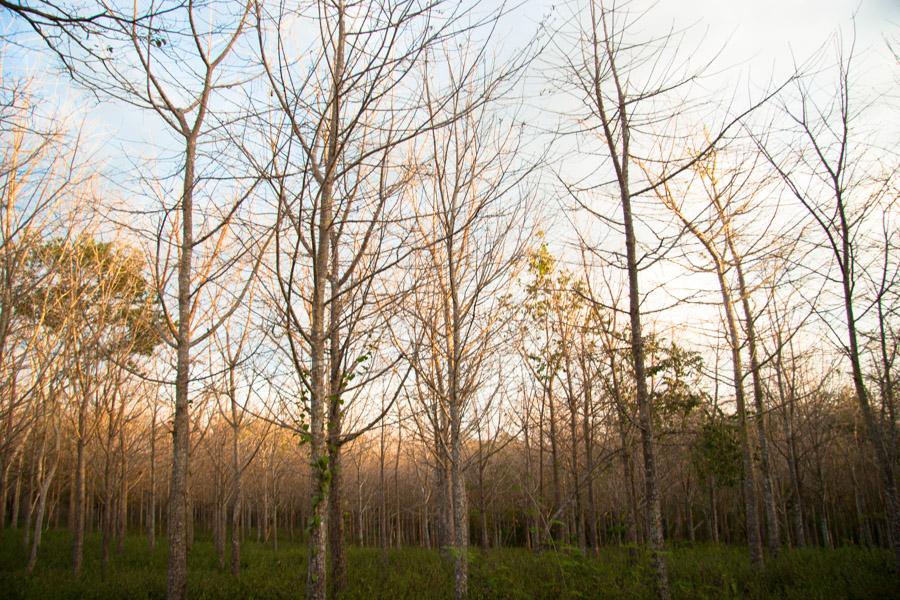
(716, 453)
(95, 288)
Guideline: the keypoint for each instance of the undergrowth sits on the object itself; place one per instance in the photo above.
(701, 572)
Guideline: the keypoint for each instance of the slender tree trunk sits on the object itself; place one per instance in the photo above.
(108, 499)
(219, 511)
(78, 518)
(460, 513)
(531, 523)
(557, 526)
(34, 488)
(151, 508)
(237, 489)
(578, 516)
(43, 492)
(17, 492)
(336, 542)
(632, 511)
(181, 422)
(399, 529)
(122, 527)
(796, 497)
(862, 521)
(772, 537)
(621, 159)
(482, 500)
(749, 484)
(539, 517)
(824, 526)
(589, 468)
(336, 525)
(316, 584)
(4, 486)
(689, 509)
(458, 484)
(749, 479)
(274, 511)
(360, 536)
(443, 492)
(382, 500)
(645, 410)
(264, 521)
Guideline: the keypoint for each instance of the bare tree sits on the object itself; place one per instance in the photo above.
(628, 87)
(347, 112)
(471, 209)
(706, 235)
(178, 69)
(827, 169)
(42, 187)
(239, 377)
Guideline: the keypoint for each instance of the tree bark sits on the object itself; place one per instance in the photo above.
(772, 534)
(151, 508)
(181, 423)
(237, 488)
(604, 59)
(43, 492)
(79, 488)
(336, 542)
(787, 401)
(587, 434)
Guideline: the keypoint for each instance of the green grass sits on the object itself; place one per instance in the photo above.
(714, 572)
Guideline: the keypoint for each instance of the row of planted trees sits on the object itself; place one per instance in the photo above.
(566, 478)
(335, 305)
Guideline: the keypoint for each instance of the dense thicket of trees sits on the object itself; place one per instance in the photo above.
(377, 289)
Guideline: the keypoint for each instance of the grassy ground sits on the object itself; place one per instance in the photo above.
(712, 572)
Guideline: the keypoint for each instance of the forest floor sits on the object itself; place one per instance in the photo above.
(700, 571)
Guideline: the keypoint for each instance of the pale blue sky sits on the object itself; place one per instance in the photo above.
(757, 38)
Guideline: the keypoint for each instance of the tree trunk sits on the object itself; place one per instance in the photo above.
(336, 542)
(4, 486)
(151, 508)
(176, 524)
(237, 491)
(336, 524)
(645, 408)
(632, 512)
(578, 516)
(589, 467)
(108, 509)
(748, 480)
(78, 518)
(796, 497)
(876, 435)
(772, 537)
(460, 513)
(121, 529)
(43, 491)
(17, 492)
(556, 526)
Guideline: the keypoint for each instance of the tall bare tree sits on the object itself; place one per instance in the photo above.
(828, 168)
(178, 68)
(628, 87)
(471, 210)
(347, 113)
